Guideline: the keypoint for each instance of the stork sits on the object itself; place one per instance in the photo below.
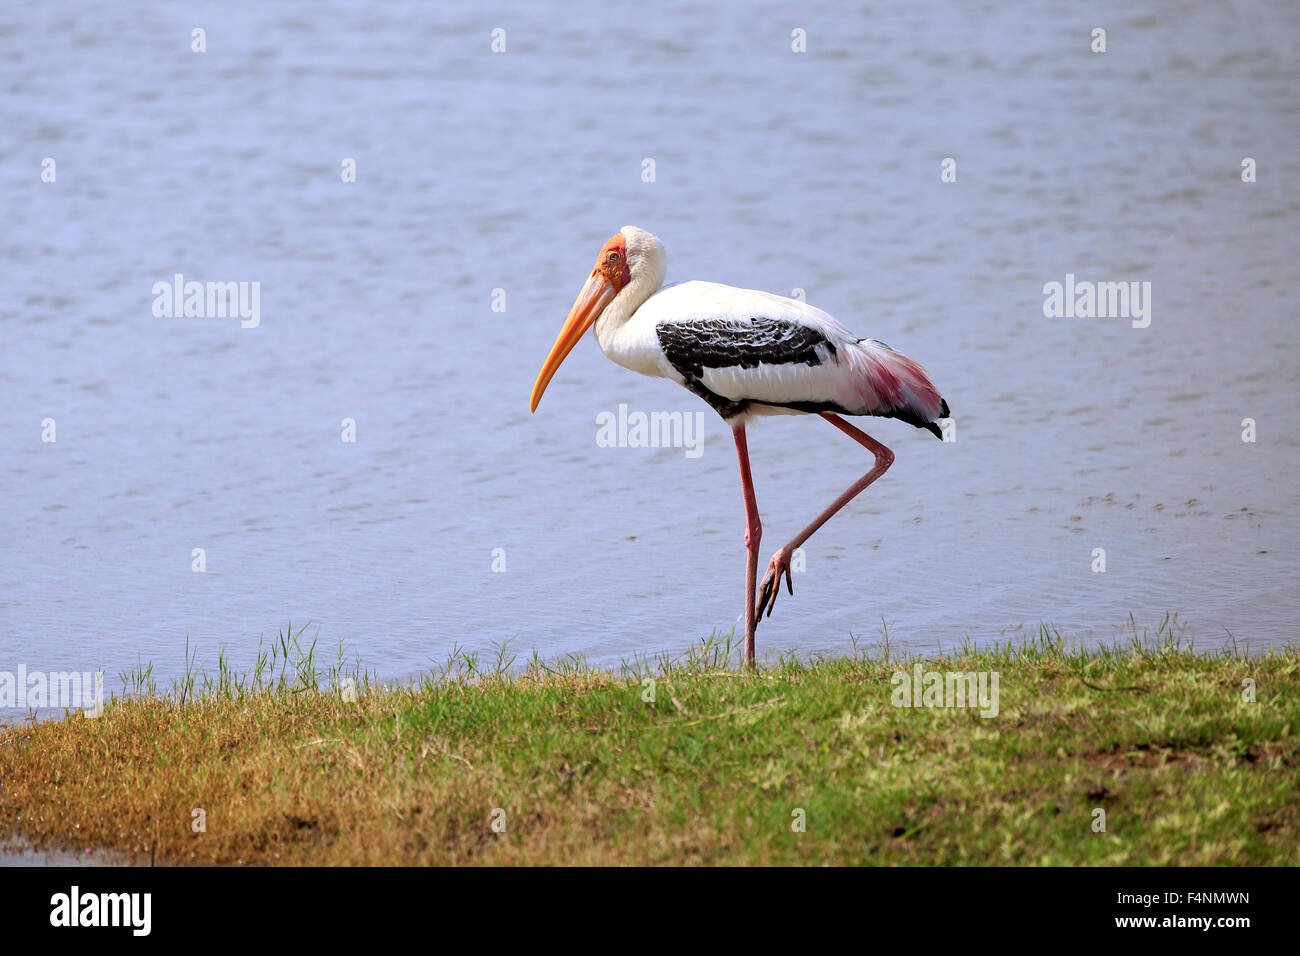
(747, 354)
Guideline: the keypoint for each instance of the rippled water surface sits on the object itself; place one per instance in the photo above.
(19, 853)
(774, 170)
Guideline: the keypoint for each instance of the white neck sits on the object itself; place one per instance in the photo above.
(649, 265)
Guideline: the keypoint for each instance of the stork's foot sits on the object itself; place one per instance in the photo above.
(780, 564)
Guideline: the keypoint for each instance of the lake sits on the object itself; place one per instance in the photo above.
(488, 180)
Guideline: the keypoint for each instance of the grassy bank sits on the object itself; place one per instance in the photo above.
(686, 761)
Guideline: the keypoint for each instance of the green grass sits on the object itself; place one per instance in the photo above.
(686, 760)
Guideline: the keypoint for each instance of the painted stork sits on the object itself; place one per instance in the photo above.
(747, 354)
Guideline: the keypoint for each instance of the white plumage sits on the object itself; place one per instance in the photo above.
(746, 353)
(828, 366)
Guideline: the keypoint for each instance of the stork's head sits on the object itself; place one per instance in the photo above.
(631, 257)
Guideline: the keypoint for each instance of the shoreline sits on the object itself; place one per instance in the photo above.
(1144, 754)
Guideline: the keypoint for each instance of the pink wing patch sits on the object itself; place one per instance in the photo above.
(888, 382)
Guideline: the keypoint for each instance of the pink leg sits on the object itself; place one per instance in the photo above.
(780, 563)
(753, 534)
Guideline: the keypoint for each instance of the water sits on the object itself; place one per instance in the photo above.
(774, 170)
(18, 852)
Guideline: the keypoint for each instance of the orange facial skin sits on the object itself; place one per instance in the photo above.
(610, 274)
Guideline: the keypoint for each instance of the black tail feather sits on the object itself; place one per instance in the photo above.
(934, 429)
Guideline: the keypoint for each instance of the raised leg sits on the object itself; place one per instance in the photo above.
(780, 563)
(753, 535)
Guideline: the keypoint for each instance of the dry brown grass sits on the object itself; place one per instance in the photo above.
(589, 772)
